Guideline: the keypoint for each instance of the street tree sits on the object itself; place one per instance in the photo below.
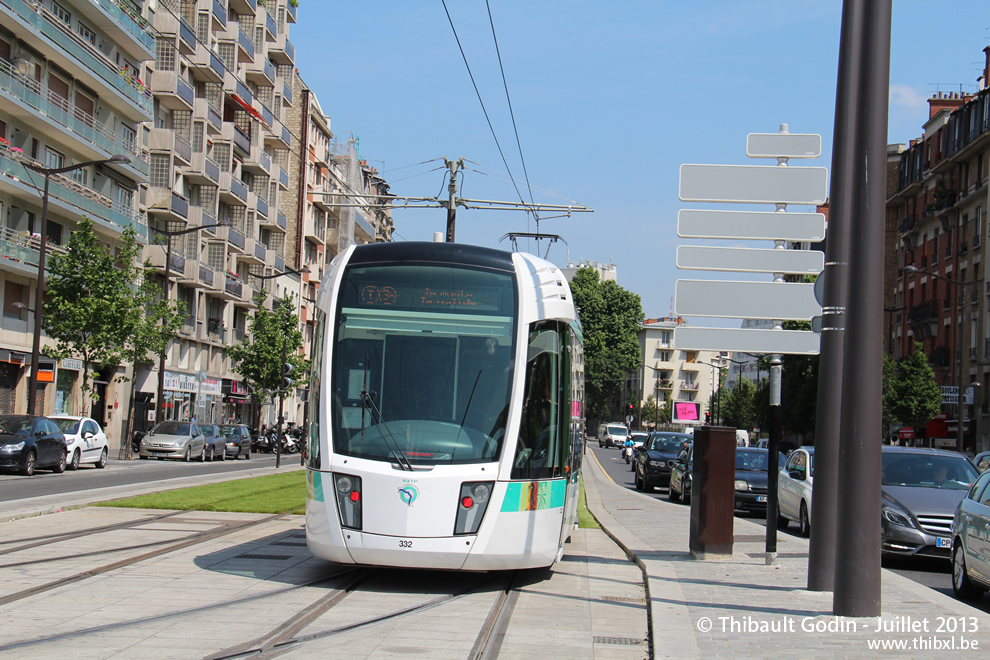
(610, 320)
(274, 333)
(739, 407)
(95, 301)
(911, 394)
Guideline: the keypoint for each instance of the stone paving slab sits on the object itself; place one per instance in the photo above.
(738, 606)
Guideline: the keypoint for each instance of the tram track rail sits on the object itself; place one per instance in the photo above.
(194, 539)
(49, 539)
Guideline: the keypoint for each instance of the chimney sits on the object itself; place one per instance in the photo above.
(944, 101)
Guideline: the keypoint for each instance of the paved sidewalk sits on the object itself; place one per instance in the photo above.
(740, 607)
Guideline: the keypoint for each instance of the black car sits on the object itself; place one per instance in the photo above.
(750, 477)
(653, 460)
(238, 439)
(29, 442)
(216, 442)
(752, 470)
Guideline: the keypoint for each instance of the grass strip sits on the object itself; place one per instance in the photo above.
(276, 493)
(585, 519)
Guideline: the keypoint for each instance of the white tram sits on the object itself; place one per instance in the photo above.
(446, 410)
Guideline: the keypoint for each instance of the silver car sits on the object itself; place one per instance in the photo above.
(971, 542)
(920, 491)
(182, 440)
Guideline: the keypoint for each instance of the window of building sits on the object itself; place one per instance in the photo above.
(54, 159)
(61, 13)
(14, 293)
(159, 174)
(215, 256)
(165, 53)
(225, 51)
(197, 136)
(203, 27)
(86, 33)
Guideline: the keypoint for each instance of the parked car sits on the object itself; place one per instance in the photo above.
(794, 484)
(216, 442)
(653, 461)
(680, 476)
(971, 542)
(173, 439)
(921, 489)
(85, 441)
(238, 440)
(612, 434)
(982, 461)
(29, 442)
(752, 471)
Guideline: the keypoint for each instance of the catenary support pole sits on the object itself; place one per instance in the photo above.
(857, 566)
(452, 165)
(773, 447)
(821, 557)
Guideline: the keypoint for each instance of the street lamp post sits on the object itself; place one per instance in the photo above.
(166, 290)
(718, 392)
(281, 389)
(42, 250)
(960, 287)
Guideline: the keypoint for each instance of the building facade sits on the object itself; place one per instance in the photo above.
(939, 295)
(683, 375)
(72, 91)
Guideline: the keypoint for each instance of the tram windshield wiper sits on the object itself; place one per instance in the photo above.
(368, 403)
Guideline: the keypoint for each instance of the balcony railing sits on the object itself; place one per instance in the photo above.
(130, 20)
(91, 203)
(690, 385)
(37, 96)
(88, 55)
(219, 13)
(233, 286)
(283, 222)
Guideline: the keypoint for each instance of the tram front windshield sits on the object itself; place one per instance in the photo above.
(422, 363)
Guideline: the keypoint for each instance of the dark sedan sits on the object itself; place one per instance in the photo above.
(653, 460)
(752, 465)
(216, 442)
(29, 442)
(238, 438)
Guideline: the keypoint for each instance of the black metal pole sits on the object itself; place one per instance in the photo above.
(773, 446)
(857, 566)
(38, 298)
(845, 175)
(281, 402)
(960, 290)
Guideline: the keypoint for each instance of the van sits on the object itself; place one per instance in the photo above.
(742, 438)
(612, 434)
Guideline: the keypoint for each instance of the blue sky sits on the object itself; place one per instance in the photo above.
(609, 98)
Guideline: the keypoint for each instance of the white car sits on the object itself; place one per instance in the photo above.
(794, 489)
(85, 441)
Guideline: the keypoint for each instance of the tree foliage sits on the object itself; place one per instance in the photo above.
(738, 409)
(100, 307)
(259, 361)
(610, 320)
(910, 394)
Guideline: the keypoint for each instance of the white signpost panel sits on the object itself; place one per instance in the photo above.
(751, 225)
(750, 260)
(746, 300)
(748, 340)
(776, 301)
(753, 184)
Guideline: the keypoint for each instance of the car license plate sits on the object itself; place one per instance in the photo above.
(159, 453)
(943, 543)
(761, 498)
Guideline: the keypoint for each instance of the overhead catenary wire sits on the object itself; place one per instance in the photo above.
(515, 128)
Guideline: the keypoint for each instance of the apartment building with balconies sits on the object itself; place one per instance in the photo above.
(71, 92)
(939, 206)
(683, 375)
(219, 148)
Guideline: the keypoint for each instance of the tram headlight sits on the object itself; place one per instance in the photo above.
(471, 506)
(348, 489)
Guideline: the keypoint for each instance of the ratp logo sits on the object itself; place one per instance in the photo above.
(408, 494)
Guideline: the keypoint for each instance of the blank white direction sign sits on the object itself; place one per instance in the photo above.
(754, 225)
(746, 340)
(753, 184)
(750, 260)
(746, 300)
(783, 145)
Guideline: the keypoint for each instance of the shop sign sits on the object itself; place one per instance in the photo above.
(188, 383)
(72, 364)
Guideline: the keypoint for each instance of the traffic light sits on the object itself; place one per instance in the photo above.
(629, 408)
(708, 417)
(287, 380)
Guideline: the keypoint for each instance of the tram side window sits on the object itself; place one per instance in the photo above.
(538, 453)
(316, 393)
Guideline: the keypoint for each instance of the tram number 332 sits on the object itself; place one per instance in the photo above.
(405, 544)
